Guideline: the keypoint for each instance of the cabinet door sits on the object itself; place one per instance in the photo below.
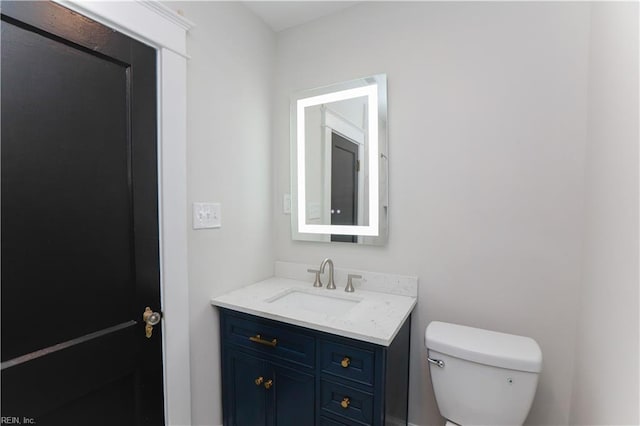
(245, 397)
(293, 398)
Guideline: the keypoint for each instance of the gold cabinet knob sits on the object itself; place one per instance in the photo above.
(259, 380)
(268, 384)
(345, 362)
(345, 402)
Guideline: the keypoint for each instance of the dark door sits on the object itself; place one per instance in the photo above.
(344, 185)
(80, 256)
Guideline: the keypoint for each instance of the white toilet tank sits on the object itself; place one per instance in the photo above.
(486, 377)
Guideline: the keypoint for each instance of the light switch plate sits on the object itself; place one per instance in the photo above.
(286, 204)
(206, 215)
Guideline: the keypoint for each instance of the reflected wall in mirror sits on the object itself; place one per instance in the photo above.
(339, 162)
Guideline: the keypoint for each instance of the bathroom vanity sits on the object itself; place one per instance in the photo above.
(297, 355)
(277, 374)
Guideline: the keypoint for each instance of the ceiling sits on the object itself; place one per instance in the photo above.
(280, 15)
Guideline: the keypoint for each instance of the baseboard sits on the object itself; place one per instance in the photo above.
(391, 422)
(394, 421)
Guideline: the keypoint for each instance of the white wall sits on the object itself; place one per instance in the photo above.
(487, 131)
(606, 376)
(230, 76)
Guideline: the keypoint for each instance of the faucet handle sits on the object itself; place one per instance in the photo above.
(349, 288)
(317, 282)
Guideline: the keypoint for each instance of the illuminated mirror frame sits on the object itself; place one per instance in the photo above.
(374, 88)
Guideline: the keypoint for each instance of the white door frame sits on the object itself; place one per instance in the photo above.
(158, 26)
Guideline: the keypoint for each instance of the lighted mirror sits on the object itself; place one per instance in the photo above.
(339, 162)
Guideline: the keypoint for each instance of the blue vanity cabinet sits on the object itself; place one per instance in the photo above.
(277, 374)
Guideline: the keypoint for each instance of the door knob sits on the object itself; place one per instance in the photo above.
(150, 318)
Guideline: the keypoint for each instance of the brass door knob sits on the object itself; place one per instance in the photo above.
(345, 402)
(268, 384)
(259, 380)
(345, 362)
(150, 318)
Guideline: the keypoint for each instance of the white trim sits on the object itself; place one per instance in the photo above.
(150, 22)
(343, 126)
(156, 25)
(173, 190)
(168, 14)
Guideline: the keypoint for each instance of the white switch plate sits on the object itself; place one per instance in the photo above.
(286, 204)
(206, 215)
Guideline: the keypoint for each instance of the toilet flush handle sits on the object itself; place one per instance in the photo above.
(438, 362)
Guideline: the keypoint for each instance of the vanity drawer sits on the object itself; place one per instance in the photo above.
(347, 361)
(326, 421)
(346, 402)
(268, 338)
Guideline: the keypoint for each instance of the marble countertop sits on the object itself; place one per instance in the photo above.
(376, 318)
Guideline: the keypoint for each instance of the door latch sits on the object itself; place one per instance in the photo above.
(150, 318)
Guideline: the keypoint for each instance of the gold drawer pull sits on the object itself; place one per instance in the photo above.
(268, 384)
(345, 402)
(259, 380)
(258, 339)
(345, 362)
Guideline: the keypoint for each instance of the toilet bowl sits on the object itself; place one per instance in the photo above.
(482, 377)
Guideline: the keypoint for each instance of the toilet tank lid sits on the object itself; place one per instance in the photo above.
(484, 346)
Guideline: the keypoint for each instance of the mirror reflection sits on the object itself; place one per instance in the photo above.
(338, 147)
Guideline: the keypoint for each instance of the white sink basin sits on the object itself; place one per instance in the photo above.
(329, 304)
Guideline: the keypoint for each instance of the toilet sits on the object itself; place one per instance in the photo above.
(482, 377)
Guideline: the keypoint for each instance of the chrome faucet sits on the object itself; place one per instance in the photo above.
(331, 285)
